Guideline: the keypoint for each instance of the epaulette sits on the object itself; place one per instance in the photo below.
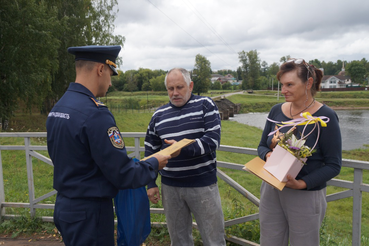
(98, 103)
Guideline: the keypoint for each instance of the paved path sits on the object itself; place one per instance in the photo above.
(228, 94)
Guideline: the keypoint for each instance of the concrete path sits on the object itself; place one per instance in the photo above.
(228, 94)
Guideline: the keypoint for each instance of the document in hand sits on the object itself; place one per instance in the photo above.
(173, 148)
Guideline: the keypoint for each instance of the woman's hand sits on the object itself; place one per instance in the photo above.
(268, 155)
(295, 184)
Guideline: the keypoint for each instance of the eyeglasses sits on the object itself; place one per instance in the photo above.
(303, 62)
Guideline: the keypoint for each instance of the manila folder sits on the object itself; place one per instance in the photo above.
(256, 167)
(173, 148)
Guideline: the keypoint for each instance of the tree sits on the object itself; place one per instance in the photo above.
(28, 54)
(146, 87)
(226, 86)
(201, 74)
(143, 76)
(131, 81)
(35, 66)
(157, 83)
(330, 68)
(216, 85)
(242, 56)
(88, 22)
(316, 63)
(285, 58)
(264, 83)
(264, 68)
(357, 71)
(119, 81)
(239, 73)
(250, 69)
(273, 69)
(254, 69)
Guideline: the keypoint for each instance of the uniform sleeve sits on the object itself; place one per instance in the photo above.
(210, 141)
(109, 153)
(330, 144)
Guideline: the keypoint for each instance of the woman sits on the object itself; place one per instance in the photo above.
(295, 214)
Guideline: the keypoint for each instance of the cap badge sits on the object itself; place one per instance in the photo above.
(110, 63)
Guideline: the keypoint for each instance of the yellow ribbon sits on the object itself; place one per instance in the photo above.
(309, 119)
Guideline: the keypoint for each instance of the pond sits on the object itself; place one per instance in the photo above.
(354, 125)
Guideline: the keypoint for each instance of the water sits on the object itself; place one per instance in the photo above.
(354, 125)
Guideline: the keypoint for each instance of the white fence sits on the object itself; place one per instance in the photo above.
(353, 189)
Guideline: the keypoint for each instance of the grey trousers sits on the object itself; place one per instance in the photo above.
(291, 215)
(205, 205)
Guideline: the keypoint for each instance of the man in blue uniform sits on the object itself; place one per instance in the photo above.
(89, 156)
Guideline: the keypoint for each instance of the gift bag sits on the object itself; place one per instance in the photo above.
(290, 154)
(133, 215)
(281, 163)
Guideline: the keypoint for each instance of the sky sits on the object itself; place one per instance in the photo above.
(162, 34)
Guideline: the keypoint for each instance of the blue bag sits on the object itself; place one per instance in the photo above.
(133, 215)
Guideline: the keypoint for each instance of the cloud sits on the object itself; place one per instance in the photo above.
(161, 34)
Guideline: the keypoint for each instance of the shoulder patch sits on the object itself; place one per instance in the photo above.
(115, 137)
(98, 103)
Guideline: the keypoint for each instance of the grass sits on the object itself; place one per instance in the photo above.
(337, 224)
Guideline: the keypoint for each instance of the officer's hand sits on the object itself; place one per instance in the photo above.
(175, 154)
(153, 194)
(162, 159)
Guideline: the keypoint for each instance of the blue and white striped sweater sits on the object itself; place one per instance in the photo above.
(198, 119)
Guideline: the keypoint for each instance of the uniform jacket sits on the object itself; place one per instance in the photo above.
(88, 153)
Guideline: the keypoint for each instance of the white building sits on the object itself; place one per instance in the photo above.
(336, 81)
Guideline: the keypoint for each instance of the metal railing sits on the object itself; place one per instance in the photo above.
(354, 188)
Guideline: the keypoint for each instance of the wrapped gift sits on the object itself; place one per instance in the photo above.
(281, 163)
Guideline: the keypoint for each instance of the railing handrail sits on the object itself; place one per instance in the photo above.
(355, 188)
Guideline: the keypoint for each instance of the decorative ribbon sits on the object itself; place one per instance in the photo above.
(306, 119)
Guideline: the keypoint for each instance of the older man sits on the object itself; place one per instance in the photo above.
(189, 181)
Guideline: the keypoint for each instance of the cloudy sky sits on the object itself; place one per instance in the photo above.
(162, 34)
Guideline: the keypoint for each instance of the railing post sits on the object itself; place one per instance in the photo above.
(356, 207)
(2, 193)
(137, 148)
(31, 187)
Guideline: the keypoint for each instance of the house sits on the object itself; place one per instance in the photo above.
(215, 77)
(223, 79)
(336, 81)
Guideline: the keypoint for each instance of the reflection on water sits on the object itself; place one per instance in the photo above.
(354, 126)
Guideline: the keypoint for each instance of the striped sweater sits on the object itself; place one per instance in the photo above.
(196, 164)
